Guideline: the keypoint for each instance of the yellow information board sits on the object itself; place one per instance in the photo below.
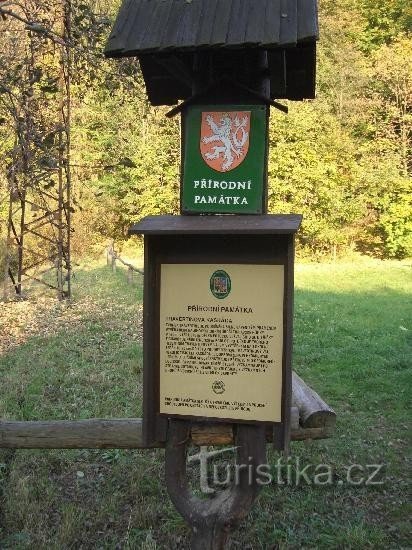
(221, 341)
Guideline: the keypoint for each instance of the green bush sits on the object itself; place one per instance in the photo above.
(395, 224)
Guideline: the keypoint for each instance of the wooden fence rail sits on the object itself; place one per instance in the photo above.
(127, 433)
(311, 418)
(112, 257)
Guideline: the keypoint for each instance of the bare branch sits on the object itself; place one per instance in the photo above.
(33, 26)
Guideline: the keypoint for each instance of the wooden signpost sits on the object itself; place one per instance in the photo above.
(218, 321)
(218, 279)
(218, 296)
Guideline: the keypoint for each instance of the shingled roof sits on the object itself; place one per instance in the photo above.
(158, 29)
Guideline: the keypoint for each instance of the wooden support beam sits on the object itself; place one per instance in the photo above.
(311, 418)
(115, 434)
(72, 434)
(211, 519)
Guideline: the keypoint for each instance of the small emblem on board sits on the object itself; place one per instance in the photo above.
(220, 284)
(218, 387)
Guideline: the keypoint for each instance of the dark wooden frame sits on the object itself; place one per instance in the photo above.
(212, 239)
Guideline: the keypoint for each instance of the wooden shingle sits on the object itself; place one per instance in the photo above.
(157, 30)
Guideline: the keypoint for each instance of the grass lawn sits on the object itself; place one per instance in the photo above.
(353, 327)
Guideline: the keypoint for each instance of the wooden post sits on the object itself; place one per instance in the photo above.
(248, 241)
(212, 519)
(129, 275)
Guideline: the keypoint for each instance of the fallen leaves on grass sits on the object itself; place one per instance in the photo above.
(47, 316)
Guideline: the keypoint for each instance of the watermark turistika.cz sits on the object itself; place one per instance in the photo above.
(290, 471)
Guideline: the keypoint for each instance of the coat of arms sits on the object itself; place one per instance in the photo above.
(220, 284)
(224, 140)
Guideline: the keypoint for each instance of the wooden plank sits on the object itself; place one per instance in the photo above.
(206, 22)
(171, 26)
(143, 26)
(223, 435)
(301, 71)
(188, 28)
(132, 31)
(256, 12)
(268, 224)
(287, 348)
(221, 24)
(288, 22)
(237, 29)
(118, 35)
(152, 33)
(150, 348)
(307, 20)
(271, 25)
(212, 434)
(278, 73)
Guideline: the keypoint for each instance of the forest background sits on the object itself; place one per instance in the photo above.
(343, 161)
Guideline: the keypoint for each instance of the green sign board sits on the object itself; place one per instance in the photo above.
(225, 159)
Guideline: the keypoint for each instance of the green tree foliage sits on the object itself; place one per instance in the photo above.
(385, 21)
(344, 160)
(312, 171)
(127, 156)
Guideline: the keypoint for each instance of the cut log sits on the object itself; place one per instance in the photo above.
(222, 434)
(313, 411)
